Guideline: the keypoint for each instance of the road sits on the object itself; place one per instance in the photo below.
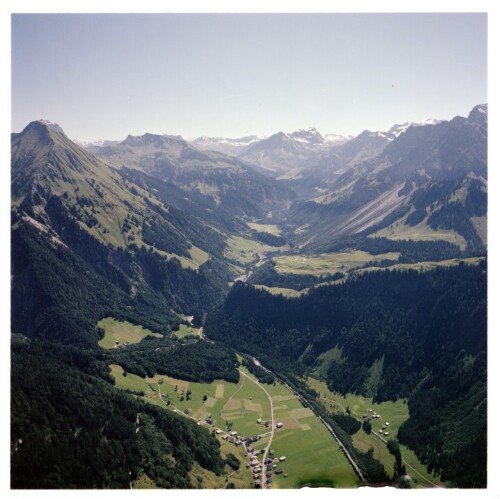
(266, 451)
(410, 466)
(328, 427)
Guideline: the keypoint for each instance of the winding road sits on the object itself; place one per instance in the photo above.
(263, 472)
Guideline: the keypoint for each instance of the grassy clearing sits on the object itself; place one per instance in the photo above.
(328, 263)
(420, 232)
(144, 482)
(425, 266)
(117, 333)
(244, 250)
(269, 228)
(290, 293)
(186, 330)
(393, 412)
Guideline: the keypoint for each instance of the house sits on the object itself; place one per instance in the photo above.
(187, 411)
(386, 433)
(278, 471)
(218, 432)
(268, 424)
(250, 449)
(209, 421)
(286, 475)
(283, 458)
(271, 452)
(386, 423)
(380, 431)
(256, 475)
(279, 425)
(259, 420)
(257, 484)
(233, 433)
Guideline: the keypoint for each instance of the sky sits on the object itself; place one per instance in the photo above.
(106, 76)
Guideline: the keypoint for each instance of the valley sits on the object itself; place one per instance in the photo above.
(156, 269)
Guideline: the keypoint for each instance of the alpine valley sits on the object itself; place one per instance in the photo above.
(296, 310)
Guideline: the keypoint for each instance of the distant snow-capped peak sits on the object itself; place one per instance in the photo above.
(397, 130)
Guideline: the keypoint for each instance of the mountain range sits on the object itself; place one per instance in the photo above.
(156, 230)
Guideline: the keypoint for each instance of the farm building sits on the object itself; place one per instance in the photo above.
(218, 432)
(279, 425)
(209, 421)
(259, 420)
(386, 433)
(271, 452)
(283, 458)
(257, 484)
(233, 433)
(278, 471)
(386, 423)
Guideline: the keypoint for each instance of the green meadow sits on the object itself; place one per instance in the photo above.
(394, 413)
(312, 455)
(118, 333)
(328, 263)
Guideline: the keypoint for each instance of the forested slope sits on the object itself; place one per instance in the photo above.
(417, 336)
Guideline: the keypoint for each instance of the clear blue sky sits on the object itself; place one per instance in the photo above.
(105, 76)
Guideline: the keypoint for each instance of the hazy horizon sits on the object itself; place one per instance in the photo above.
(105, 76)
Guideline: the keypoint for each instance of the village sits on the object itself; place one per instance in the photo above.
(268, 465)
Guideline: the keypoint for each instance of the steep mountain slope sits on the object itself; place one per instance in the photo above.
(225, 183)
(434, 169)
(72, 215)
(88, 243)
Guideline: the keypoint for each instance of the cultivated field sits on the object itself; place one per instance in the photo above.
(395, 413)
(312, 456)
(118, 333)
(328, 263)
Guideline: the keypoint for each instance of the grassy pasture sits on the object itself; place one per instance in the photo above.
(328, 263)
(123, 332)
(185, 330)
(420, 232)
(425, 266)
(289, 293)
(269, 228)
(243, 250)
(312, 455)
(393, 412)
